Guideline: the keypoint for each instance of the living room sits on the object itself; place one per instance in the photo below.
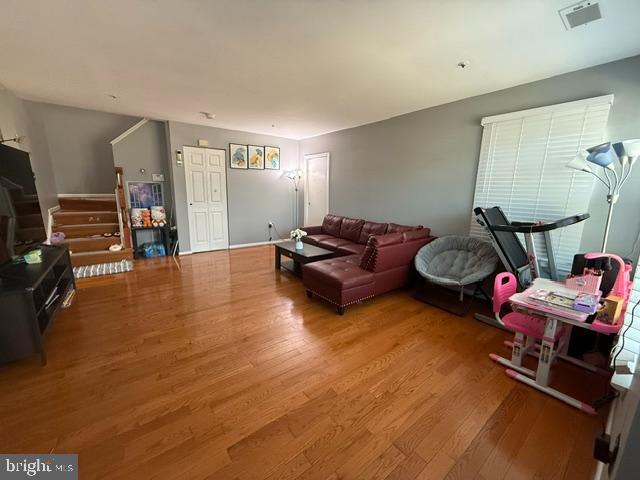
(250, 249)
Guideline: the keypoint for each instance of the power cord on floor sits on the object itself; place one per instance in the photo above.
(273, 225)
(611, 394)
(633, 313)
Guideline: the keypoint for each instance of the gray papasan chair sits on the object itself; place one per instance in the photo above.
(456, 261)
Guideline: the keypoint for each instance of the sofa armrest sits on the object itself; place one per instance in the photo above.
(313, 230)
(396, 255)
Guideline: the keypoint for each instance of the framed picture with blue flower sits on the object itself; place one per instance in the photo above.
(272, 158)
(238, 156)
(256, 157)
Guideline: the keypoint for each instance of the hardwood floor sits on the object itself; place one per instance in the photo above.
(218, 367)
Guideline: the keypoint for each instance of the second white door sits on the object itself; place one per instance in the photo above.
(316, 188)
(206, 178)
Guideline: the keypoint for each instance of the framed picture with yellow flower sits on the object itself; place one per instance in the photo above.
(272, 158)
(256, 157)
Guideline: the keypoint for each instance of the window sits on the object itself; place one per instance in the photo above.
(522, 169)
(628, 345)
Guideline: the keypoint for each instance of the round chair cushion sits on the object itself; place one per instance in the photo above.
(456, 260)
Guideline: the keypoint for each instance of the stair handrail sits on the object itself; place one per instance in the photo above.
(121, 205)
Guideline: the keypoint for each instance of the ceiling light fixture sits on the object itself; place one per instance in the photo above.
(463, 64)
(208, 115)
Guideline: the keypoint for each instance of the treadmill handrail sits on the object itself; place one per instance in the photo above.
(528, 227)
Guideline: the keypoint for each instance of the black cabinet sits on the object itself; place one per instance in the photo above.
(165, 238)
(30, 298)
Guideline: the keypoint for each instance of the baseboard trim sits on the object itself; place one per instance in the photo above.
(254, 244)
(86, 195)
(239, 245)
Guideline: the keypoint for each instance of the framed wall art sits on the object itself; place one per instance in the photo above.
(272, 158)
(238, 156)
(256, 157)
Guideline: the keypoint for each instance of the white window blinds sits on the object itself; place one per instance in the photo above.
(522, 169)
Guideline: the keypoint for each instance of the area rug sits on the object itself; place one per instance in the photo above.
(87, 271)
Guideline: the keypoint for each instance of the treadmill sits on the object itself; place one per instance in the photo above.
(522, 263)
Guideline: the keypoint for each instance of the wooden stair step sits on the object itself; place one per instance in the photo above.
(90, 204)
(83, 231)
(84, 218)
(78, 245)
(94, 258)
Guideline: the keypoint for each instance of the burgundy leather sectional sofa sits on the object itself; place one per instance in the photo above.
(371, 258)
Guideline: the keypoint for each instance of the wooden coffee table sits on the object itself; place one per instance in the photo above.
(308, 254)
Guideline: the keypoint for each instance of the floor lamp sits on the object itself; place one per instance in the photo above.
(295, 176)
(616, 161)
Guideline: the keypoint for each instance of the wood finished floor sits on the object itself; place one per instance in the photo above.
(220, 368)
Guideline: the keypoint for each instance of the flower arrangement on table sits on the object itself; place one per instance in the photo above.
(297, 235)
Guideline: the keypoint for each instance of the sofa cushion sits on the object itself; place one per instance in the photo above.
(353, 259)
(332, 243)
(314, 239)
(371, 228)
(313, 229)
(368, 254)
(350, 249)
(386, 239)
(350, 228)
(412, 235)
(337, 272)
(331, 225)
(375, 241)
(395, 228)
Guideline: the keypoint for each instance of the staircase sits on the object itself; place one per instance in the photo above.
(85, 221)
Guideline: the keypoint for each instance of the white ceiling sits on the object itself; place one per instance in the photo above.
(305, 66)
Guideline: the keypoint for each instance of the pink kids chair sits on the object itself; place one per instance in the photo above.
(528, 330)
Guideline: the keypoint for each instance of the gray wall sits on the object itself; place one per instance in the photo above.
(421, 167)
(16, 119)
(78, 144)
(255, 197)
(145, 148)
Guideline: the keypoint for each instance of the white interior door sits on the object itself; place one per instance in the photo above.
(316, 188)
(206, 178)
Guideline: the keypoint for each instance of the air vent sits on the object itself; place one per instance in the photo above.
(580, 14)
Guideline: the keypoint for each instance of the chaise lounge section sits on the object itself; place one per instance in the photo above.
(373, 258)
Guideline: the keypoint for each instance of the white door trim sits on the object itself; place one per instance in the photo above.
(308, 157)
(185, 149)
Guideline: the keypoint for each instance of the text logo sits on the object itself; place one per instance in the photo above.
(43, 466)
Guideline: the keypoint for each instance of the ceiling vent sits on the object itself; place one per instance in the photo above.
(580, 13)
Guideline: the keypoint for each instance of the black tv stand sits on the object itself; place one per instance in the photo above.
(30, 298)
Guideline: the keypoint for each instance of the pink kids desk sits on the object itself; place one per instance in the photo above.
(543, 331)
